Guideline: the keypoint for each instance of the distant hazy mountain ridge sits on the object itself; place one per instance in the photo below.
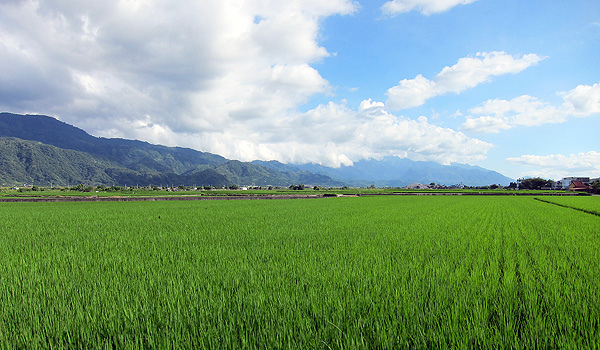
(399, 172)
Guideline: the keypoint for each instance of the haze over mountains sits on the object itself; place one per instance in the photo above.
(43, 150)
(396, 172)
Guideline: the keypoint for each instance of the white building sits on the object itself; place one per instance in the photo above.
(417, 186)
(566, 182)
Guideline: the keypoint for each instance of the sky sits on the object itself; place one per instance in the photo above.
(508, 85)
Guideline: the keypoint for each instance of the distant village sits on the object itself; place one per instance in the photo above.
(580, 184)
(572, 183)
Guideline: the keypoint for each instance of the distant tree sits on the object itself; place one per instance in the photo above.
(535, 183)
(596, 187)
(82, 188)
(299, 187)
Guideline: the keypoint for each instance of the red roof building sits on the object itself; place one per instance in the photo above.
(578, 186)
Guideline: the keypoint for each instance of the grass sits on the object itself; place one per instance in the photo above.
(370, 272)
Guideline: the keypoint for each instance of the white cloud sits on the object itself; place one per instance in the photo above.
(370, 131)
(467, 73)
(185, 64)
(427, 7)
(583, 101)
(557, 166)
(498, 115)
(486, 124)
(369, 104)
(330, 134)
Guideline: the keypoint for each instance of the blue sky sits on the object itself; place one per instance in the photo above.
(512, 86)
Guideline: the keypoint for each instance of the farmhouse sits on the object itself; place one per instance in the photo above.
(578, 186)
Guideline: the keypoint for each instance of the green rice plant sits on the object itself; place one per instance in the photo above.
(367, 272)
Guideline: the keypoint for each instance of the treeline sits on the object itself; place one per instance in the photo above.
(536, 183)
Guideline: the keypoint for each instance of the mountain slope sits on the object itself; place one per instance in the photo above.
(32, 162)
(133, 154)
(24, 161)
(300, 176)
(40, 149)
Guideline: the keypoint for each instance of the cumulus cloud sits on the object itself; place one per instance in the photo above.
(215, 61)
(497, 115)
(381, 133)
(557, 166)
(427, 7)
(583, 101)
(467, 73)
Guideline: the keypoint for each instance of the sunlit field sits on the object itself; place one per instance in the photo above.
(364, 272)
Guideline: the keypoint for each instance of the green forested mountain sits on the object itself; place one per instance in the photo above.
(255, 174)
(43, 150)
(32, 162)
(24, 161)
(133, 154)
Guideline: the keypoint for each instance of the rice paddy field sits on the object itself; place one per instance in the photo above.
(364, 272)
(590, 205)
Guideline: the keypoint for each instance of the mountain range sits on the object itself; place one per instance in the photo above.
(45, 151)
(398, 172)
